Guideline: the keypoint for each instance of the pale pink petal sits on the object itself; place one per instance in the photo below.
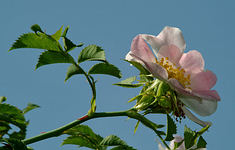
(210, 95)
(160, 147)
(201, 107)
(172, 52)
(172, 35)
(207, 94)
(192, 62)
(155, 42)
(175, 84)
(200, 104)
(177, 139)
(194, 118)
(204, 80)
(168, 36)
(130, 57)
(140, 49)
(155, 69)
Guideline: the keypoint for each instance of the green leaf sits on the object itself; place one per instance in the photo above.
(201, 143)
(113, 140)
(73, 70)
(68, 44)
(14, 144)
(128, 83)
(171, 129)
(2, 99)
(4, 128)
(58, 33)
(12, 115)
(65, 31)
(36, 28)
(105, 68)
(122, 148)
(136, 126)
(189, 139)
(92, 53)
(83, 136)
(52, 57)
(38, 41)
(30, 107)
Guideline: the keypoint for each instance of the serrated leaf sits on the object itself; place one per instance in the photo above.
(91, 53)
(189, 139)
(83, 136)
(201, 143)
(73, 70)
(52, 57)
(128, 83)
(68, 44)
(113, 140)
(4, 128)
(12, 115)
(30, 107)
(38, 41)
(58, 33)
(171, 129)
(105, 68)
(14, 144)
(65, 31)
(36, 28)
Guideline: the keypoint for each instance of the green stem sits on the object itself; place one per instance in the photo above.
(129, 113)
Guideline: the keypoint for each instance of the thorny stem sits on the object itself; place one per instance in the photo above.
(129, 113)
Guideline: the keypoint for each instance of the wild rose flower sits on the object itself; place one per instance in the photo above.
(184, 72)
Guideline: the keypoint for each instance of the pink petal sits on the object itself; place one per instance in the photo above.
(175, 84)
(194, 118)
(155, 42)
(203, 103)
(204, 80)
(172, 52)
(177, 139)
(157, 70)
(172, 35)
(207, 94)
(168, 36)
(140, 49)
(192, 62)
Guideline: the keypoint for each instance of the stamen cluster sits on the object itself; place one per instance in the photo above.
(175, 72)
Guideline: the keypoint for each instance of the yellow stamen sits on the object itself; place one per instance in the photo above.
(175, 72)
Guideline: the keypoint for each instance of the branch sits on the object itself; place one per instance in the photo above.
(129, 113)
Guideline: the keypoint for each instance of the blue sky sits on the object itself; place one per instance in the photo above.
(207, 26)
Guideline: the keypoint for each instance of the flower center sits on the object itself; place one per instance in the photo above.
(175, 72)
